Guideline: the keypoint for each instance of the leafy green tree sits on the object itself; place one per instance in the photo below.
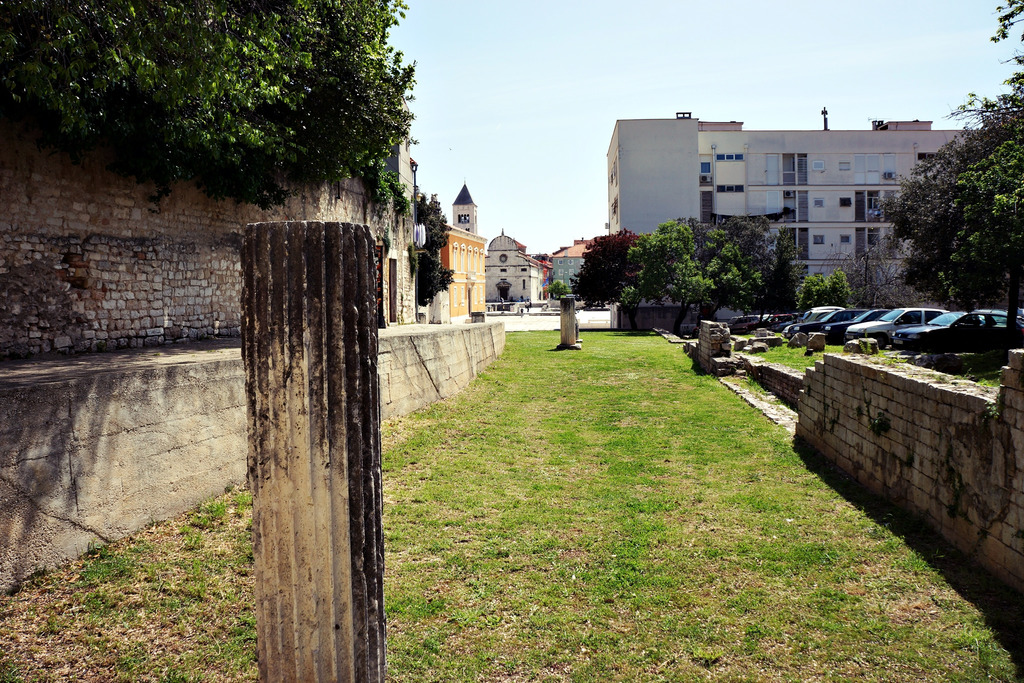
(730, 275)
(992, 198)
(431, 275)
(607, 272)
(782, 279)
(927, 219)
(557, 289)
(819, 290)
(668, 270)
(237, 96)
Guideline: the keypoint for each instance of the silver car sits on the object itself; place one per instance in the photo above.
(883, 328)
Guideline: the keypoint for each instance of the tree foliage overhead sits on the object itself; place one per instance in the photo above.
(431, 275)
(237, 95)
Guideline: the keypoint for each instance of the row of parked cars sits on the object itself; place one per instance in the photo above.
(916, 329)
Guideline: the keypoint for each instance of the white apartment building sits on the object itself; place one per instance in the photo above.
(826, 184)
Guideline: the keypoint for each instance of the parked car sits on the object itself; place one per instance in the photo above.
(842, 315)
(777, 321)
(834, 331)
(742, 324)
(958, 332)
(884, 327)
(812, 314)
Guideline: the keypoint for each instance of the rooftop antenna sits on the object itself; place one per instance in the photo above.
(824, 115)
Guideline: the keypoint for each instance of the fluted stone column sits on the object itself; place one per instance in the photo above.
(309, 342)
(570, 326)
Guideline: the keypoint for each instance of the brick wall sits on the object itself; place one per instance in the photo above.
(951, 452)
(89, 262)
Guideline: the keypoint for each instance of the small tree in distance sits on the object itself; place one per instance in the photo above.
(817, 290)
(558, 289)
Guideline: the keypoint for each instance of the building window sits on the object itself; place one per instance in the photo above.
(866, 169)
(819, 239)
(818, 165)
(845, 201)
(705, 167)
(819, 202)
(921, 156)
(730, 188)
(463, 218)
(844, 239)
(560, 261)
(844, 166)
(728, 157)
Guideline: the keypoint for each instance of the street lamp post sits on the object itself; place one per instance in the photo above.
(419, 238)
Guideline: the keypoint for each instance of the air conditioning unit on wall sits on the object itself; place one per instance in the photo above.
(705, 178)
(789, 194)
(889, 175)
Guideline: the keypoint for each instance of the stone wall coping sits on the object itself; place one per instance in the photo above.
(18, 374)
(435, 330)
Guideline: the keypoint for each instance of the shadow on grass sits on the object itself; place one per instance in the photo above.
(1002, 607)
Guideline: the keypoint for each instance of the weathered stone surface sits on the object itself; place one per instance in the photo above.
(309, 347)
(738, 344)
(798, 340)
(758, 347)
(762, 332)
(816, 342)
(772, 341)
(569, 325)
(949, 450)
(864, 345)
(949, 363)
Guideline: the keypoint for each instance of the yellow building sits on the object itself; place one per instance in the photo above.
(465, 256)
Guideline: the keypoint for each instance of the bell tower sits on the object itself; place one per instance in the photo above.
(464, 212)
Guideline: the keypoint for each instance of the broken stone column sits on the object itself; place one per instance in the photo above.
(569, 325)
(309, 343)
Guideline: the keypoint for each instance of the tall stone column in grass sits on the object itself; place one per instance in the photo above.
(570, 326)
(309, 342)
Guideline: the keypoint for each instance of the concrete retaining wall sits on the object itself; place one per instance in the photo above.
(951, 453)
(95, 448)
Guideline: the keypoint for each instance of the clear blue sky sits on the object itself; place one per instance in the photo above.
(519, 99)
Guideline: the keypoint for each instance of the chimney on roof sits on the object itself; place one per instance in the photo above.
(684, 115)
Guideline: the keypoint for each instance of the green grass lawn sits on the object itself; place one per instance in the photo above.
(598, 515)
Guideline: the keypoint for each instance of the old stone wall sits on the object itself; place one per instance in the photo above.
(714, 349)
(88, 261)
(96, 447)
(952, 453)
(785, 383)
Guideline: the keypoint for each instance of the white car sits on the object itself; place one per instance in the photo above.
(883, 328)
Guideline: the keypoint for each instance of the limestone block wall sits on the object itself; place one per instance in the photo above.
(952, 453)
(714, 348)
(786, 383)
(89, 262)
(92, 450)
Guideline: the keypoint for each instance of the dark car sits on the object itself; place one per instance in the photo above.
(834, 331)
(742, 324)
(841, 316)
(780, 321)
(959, 332)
